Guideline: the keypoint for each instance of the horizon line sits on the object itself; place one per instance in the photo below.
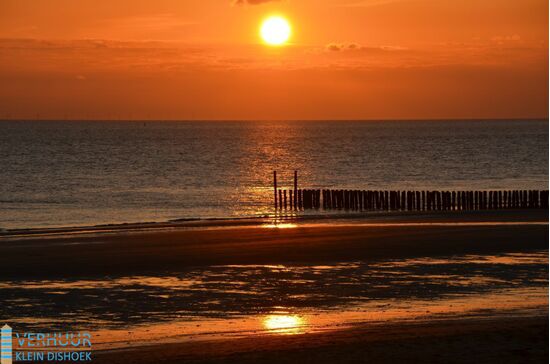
(546, 118)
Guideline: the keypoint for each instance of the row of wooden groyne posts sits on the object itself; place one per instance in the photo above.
(374, 200)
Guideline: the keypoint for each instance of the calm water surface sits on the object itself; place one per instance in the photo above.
(87, 173)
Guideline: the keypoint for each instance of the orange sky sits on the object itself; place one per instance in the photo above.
(202, 59)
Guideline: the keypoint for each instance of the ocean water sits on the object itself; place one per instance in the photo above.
(71, 173)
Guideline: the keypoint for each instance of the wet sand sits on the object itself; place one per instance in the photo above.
(134, 252)
(499, 340)
(141, 252)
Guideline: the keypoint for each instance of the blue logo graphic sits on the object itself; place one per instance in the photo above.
(5, 348)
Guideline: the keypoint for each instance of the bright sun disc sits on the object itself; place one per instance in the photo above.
(275, 30)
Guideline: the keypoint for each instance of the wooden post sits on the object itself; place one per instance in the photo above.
(275, 188)
(291, 200)
(284, 193)
(295, 188)
(318, 199)
(280, 199)
(505, 201)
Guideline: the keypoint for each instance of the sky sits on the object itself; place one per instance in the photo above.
(204, 59)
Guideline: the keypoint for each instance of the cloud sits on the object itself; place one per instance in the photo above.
(253, 2)
(354, 47)
(337, 47)
(506, 38)
(368, 3)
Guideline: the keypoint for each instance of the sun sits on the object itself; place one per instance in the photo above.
(275, 30)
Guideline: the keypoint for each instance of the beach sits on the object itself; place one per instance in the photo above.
(137, 250)
(503, 340)
(385, 288)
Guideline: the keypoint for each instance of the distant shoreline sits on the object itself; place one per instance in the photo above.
(544, 118)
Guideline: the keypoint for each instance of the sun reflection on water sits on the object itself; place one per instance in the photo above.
(280, 226)
(284, 324)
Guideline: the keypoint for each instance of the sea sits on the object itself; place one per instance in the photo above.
(85, 173)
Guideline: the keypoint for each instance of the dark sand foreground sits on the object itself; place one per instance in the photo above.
(486, 339)
(503, 340)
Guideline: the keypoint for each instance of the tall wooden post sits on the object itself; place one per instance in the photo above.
(295, 188)
(275, 188)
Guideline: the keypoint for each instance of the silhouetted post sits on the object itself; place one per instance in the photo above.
(397, 200)
(300, 199)
(291, 199)
(280, 199)
(453, 200)
(318, 199)
(275, 188)
(505, 201)
(295, 188)
(284, 194)
(428, 200)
